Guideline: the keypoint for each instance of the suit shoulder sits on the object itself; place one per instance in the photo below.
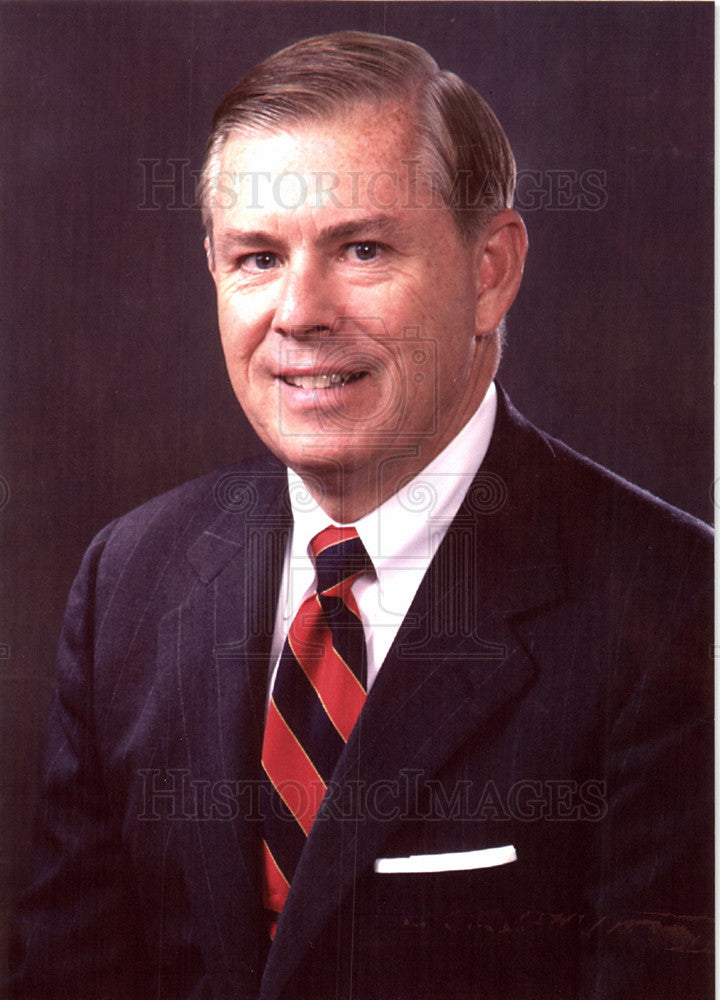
(176, 518)
(583, 489)
(608, 531)
(611, 500)
(614, 530)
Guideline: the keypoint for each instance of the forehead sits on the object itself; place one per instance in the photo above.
(363, 154)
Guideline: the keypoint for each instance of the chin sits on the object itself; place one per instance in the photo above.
(310, 454)
(319, 461)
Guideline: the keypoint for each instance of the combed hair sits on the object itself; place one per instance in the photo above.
(462, 151)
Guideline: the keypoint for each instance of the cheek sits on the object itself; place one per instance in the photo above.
(240, 336)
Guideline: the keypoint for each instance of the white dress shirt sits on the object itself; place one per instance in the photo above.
(401, 537)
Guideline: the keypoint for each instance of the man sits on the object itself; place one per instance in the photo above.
(474, 761)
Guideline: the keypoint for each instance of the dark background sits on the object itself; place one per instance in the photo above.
(114, 387)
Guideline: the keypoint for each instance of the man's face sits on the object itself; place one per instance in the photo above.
(346, 298)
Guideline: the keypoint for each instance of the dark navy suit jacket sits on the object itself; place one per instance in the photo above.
(550, 689)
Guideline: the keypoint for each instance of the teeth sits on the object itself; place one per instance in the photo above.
(319, 381)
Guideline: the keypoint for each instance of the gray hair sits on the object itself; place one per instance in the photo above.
(461, 149)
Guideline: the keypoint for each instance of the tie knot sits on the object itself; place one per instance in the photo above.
(340, 558)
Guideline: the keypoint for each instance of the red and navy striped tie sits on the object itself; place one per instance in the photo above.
(319, 691)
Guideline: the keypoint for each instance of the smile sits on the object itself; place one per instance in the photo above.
(321, 381)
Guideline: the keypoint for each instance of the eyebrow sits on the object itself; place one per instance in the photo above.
(376, 225)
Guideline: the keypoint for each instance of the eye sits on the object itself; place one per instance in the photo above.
(367, 250)
(264, 260)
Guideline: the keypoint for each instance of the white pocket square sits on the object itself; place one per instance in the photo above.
(457, 861)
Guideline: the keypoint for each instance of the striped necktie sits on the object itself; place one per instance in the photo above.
(319, 691)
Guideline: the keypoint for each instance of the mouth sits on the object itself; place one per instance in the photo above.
(333, 380)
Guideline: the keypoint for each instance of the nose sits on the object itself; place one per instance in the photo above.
(308, 300)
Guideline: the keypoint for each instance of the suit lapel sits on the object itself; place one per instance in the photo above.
(457, 661)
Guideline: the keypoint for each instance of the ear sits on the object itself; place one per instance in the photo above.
(501, 251)
(209, 255)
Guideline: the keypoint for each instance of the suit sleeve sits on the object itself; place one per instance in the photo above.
(653, 892)
(77, 930)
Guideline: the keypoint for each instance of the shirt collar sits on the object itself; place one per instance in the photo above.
(409, 525)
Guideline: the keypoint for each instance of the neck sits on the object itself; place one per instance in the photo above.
(346, 495)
